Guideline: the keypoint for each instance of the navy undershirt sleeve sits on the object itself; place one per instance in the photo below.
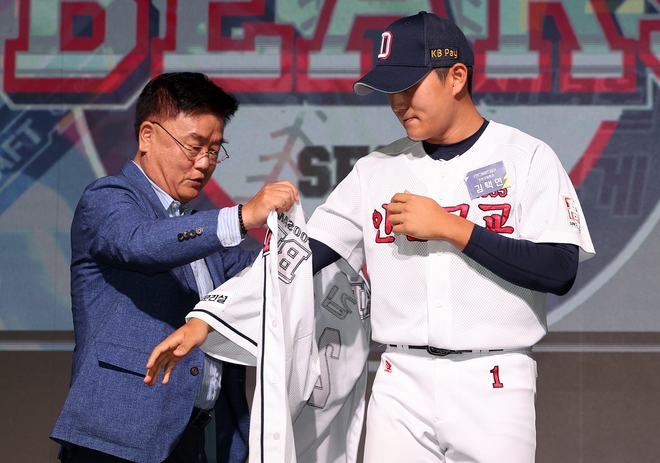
(544, 267)
(322, 255)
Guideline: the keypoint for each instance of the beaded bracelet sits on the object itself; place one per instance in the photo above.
(240, 220)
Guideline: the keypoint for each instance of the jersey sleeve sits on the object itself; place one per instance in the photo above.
(550, 211)
(338, 222)
(234, 310)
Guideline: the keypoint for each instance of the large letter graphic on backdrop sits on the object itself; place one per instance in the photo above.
(549, 25)
(93, 57)
(82, 26)
(259, 59)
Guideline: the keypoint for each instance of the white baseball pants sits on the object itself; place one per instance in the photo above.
(471, 407)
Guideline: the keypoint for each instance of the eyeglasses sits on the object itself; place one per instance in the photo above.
(194, 153)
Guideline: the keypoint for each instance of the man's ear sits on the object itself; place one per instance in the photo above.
(459, 76)
(144, 136)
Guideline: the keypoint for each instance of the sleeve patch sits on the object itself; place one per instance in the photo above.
(572, 211)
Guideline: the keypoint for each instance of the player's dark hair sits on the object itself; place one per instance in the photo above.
(442, 73)
(190, 93)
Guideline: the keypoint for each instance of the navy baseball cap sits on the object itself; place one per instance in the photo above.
(410, 48)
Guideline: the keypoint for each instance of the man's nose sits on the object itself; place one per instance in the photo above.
(398, 101)
(203, 162)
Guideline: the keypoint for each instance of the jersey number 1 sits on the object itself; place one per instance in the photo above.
(496, 377)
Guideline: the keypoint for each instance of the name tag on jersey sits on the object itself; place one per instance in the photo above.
(487, 180)
(218, 298)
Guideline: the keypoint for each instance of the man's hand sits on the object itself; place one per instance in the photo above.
(278, 196)
(176, 346)
(423, 218)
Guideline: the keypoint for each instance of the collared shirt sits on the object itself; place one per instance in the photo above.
(229, 234)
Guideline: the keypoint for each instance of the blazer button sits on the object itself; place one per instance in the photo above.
(199, 231)
(192, 233)
(186, 235)
(194, 371)
(180, 237)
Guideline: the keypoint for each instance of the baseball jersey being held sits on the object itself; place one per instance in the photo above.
(268, 316)
(329, 427)
(428, 292)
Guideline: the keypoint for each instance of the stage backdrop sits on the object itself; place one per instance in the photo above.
(580, 75)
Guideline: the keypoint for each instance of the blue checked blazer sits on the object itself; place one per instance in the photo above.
(131, 286)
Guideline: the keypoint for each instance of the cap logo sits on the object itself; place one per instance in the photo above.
(444, 52)
(385, 45)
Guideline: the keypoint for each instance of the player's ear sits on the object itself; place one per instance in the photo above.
(459, 77)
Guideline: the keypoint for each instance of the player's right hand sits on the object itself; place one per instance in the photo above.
(423, 218)
(278, 196)
(176, 346)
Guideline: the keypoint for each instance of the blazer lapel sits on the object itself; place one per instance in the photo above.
(142, 186)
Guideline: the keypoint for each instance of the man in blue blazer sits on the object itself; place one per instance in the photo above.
(140, 262)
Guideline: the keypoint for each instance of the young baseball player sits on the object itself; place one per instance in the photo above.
(466, 224)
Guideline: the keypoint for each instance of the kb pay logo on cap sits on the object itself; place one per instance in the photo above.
(444, 53)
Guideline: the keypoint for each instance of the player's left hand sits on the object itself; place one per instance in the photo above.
(423, 218)
(176, 346)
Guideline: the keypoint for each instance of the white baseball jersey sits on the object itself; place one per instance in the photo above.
(329, 427)
(428, 292)
(267, 316)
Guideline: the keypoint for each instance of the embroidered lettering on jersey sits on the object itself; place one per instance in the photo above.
(219, 298)
(495, 222)
(503, 193)
(496, 219)
(388, 233)
(285, 223)
(377, 220)
(338, 309)
(487, 180)
(291, 249)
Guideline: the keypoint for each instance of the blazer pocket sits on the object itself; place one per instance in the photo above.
(121, 409)
(121, 358)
